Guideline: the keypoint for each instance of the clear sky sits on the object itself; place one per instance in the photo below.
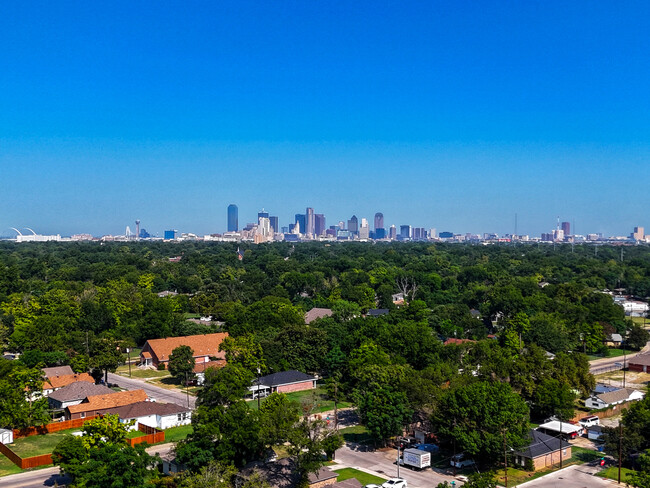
(454, 115)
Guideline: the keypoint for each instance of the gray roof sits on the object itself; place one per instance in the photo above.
(79, 390)
(284, 378)
(640, 359)
(542, 444)
(615, 396)
(600, 388)
(616, 338)
(57, 371)
(376, 312)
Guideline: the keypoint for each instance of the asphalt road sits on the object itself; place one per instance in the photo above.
(607, 364)
(153, 391)
(51, 477)
(382, 463)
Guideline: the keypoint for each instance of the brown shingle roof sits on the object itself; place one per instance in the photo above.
(453, 340)
(57, 371)
(65, 380)
(202, 345)
(103, 402)
(615, 396)
(201, 367)
(640, 359)
(142, 409)
(317, 313)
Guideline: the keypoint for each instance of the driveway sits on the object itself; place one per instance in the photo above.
(153, 391)
(576, 476)
(382, 463)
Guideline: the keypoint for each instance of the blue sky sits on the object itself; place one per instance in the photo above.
(453, 115)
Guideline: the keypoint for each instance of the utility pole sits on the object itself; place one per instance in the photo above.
(128, 352)
(258, 388)
(505, 458)
(620, 448)
(560, 417)
(398, 447)
(187, 390)
(624, 360)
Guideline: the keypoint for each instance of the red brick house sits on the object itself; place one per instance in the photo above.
(640, 363)
(284, 382)
(205, 346)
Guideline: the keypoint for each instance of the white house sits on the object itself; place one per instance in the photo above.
(611, 398)
(153, 414)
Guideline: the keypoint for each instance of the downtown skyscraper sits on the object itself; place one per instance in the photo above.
(233, 218)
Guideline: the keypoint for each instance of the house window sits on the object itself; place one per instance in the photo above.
(564, 452)
(83, 415)
(179, 417)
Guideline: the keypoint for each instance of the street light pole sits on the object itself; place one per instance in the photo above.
(258, 388)
(620, 449)
(128, 352)
(505, 458)
(398, 446)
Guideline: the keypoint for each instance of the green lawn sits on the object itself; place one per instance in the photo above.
(355, 433)
(612, 353)
(582, 455)
(175, 434)
(364, 478)
(39, 444)
(612, 473)
(141, 373)
(317, 398)
(7, 467)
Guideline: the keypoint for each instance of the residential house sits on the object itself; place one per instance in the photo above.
(75, 393)
(377, 312)
(568, 430)
(542, 451)
(614, 340)
(199, 369)
(205, 347)
(57, 371)
(284, 382)
(317, 313)
(324, 477)
(611, 398)
(398, 299)
(595, 433)
(640, 363)
(100, 404)
(53, 383)
(153, 414)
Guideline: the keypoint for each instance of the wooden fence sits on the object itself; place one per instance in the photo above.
(53, 427)
(601, 414)
(153, 435)
(25, 463)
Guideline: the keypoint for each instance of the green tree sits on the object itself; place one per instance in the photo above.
(278, 415)
(638, 337)
(104, 430)
(476, 417)
(553, 397)
(225, 385)
(384, 411)
(181, 363)
(106, 356)
(331, 443)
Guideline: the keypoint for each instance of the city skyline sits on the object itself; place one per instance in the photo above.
(423, 111)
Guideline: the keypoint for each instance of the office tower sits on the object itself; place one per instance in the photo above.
(137, 229)
(262, 214)
(275, 224)
(264, 226)
(558, 235)
(353, 224)
(319, 224)
(233, 218)
(405, 231)
(432, 233)
(309, 221)
(566, 228)
(379, 220)
(380, 233)
(392, 232)
(638, 234)
(364, 230)
(300, 223)
(341, 225)
(170, 235)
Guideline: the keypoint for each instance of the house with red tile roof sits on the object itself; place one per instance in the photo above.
(101, 404)
(205, 347)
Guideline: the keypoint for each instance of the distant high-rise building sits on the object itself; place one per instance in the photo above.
(341, 225)
(379, 220)
(319, 224)
(364, 230)
(233, 218)
(446, 235)
(638, 234)
(300, 222)
(170, 235)
(405, 231)
(275, 224)
(137, 229)
(432, 233)
(353, 224)
(566, 228)
(309, 221)
(379, 233)
(264, 226)
(262, 214)
(392, 233)
(419, 234)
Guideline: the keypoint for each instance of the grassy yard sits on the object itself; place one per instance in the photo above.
(641, 321)
(7, 467)
(133, 434)
(612, 473)
(175, 434)
(141, 373)
(38, 444)
(317, 398)
(356, 433)
(612, 353)
(364, 478)
(582, 455)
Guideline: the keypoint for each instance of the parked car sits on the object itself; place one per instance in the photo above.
(589, 421)
(395, 483)
(461, 461)
(372, 486)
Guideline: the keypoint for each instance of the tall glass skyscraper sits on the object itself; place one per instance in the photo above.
(233, 218)
(379, 220)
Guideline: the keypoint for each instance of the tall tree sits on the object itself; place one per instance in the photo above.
(181, 363)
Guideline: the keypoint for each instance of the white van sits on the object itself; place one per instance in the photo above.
(589, 421)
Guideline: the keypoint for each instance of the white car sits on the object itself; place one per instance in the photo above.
(372, 486)
(395, 483)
